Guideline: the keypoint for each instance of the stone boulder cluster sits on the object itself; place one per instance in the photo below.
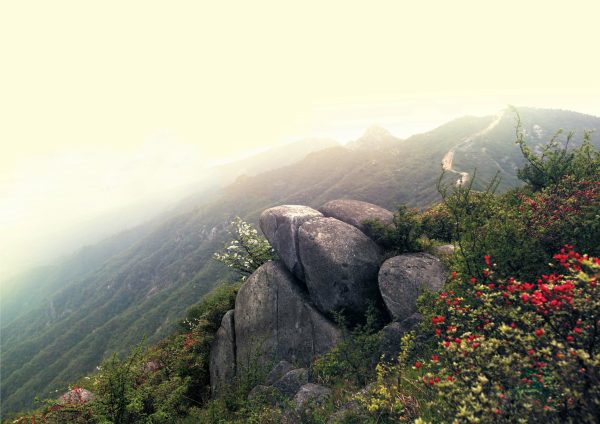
(328, 262)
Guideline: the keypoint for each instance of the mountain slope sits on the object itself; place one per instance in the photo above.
(142, 286)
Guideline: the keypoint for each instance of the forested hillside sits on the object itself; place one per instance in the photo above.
(140, 283)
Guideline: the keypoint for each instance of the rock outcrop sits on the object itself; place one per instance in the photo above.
(340, 265)
(310, 393)
(275, 320)
(291, 382)
(355, 212)
(280, 226)
(278, 371)
(222, 355)
(76, 396)
(403, 278)
(328, 263)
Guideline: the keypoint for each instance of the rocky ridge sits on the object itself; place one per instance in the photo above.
(283, 313)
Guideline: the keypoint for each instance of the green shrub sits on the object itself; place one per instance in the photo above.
(389, 399)
(437, 224)
(403, 235)
(557, 160)
(353, 360)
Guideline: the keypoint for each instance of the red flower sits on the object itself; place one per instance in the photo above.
(435, 358)
(539, 332)
(577, 330)
(525, 297)
(418, 365)
(437, 320)
(453, 275)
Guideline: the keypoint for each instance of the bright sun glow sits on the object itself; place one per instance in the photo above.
(107, 105)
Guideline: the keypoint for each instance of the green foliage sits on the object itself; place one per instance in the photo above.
(116, 399)
(403, 235)
(156, 385)
(352, 361)
(247, 251)
(482, 223)
(388, 398)
(436, 223)
(556, 160)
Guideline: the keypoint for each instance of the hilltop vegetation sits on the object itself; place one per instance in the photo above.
(142, 282)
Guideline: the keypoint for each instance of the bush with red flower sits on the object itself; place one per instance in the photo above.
(516, 351)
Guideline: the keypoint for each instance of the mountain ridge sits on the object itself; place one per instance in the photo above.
(147, 283)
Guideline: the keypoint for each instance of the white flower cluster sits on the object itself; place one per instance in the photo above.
(247, 251)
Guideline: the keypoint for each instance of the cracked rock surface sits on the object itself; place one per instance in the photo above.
(340, 265)
(275, 320)
(280, 226)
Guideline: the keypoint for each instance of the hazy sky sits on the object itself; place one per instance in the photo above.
(107, 103)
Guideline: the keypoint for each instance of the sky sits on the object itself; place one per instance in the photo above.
(107, 105)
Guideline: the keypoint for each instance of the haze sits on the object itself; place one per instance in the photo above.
(106, 106)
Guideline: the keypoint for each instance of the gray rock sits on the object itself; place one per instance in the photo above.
(444, 250)
(355, 212)
(311, 394)
(222, 355)
(340, 265)
(278, 371)
(76, 396)
(275, 320)
(291, 382)
(391, 336)
(403, 278)
(280, 226)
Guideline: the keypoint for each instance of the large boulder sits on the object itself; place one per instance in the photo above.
(222, 355)
(403, 278)
(444, 251)
(280, 226)
(275, 320)
(340, 265)
(355, 212)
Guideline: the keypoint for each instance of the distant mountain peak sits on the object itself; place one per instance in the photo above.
(375, 137)
(375, 132)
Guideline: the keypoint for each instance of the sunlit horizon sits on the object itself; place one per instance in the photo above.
(113, 106)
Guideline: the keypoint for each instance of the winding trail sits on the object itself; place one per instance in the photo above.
(449, 156)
